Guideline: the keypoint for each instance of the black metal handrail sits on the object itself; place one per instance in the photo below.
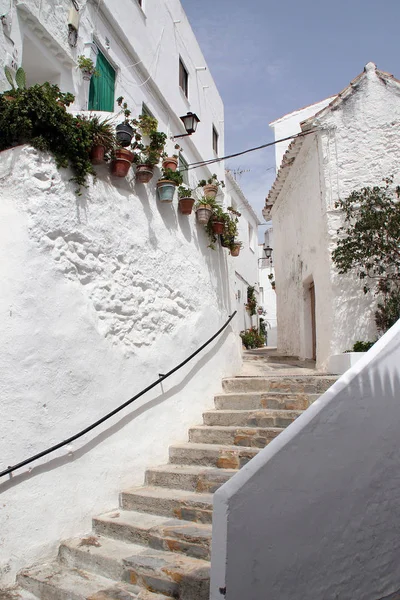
(116, 410)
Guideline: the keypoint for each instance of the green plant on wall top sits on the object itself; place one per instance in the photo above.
(369, 246)
(20, 78)
(36, 116)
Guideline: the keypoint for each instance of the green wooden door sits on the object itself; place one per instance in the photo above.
(101, 91)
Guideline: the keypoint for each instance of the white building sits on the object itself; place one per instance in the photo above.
(266, 279)
(101, 293)
(351, 142)
(245, 265)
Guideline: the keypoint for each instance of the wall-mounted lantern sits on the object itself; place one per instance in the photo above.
(190, 122)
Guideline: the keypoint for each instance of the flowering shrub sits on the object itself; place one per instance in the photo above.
(251, 338)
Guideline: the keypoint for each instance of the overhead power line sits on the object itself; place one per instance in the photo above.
(204, 163)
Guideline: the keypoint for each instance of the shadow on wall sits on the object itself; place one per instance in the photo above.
(316, 514)
(116, 427)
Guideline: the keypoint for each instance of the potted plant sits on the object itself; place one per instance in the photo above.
(88, 68)
(272, 280)
(185, 200)
(20, 80)
(171, 162)
(124, 131)
(204, 209)
(211, 186)
(235, 248)
(150, 156)
(103, 137)
(167, 183)
(231, 219)
(216, 223)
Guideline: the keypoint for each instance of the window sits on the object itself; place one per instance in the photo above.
(215, 137)
(139, 2)
(183, 167)
(101, 91)
(251, 238)
(183, 78)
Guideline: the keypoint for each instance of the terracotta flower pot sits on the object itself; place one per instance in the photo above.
(218, 227)
(144, 173)
(122, 163)
(166, 190)
(203, 214)
(235, 250)
(8, 98)
(210, 190)
(170, 162)
(186, 205)
(97, 154)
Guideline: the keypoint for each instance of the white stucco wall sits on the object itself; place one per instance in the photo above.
(100, 294)
(357, 145)
(316, 513)
(290, 125)
(245, 265)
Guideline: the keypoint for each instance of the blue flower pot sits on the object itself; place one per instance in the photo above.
(166, 190)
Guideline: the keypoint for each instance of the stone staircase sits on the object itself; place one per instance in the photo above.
(156, 545)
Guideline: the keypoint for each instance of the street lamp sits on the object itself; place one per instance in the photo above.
(190, 122)
(268, 254)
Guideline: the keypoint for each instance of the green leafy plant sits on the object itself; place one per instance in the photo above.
(251, 305)
(20, 78)
(87, 65)
(170, 175)
(184, 192)
(251, 338)
(125, 110)
(35, 117)
(101, 131)
(213, 180)
(147, 124)
(231, 220)
(362, 346)
(369, 246)
(272, 280)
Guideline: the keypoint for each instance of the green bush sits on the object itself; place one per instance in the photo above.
(362, 346)
(251, 338)
(37, 116)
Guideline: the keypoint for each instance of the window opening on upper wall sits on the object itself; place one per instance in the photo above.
(146, 110)
(183, 78)
(102, 87)
(183, 168)
(215, 137)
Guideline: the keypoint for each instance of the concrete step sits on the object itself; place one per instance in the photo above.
(251, 418)
(159, 532)
(53, 581)
(253, 437)
(181, 504)
(16, 593)
(211, 455)
(168, 573)
(303, 384)
(186, 477)
(272, 400)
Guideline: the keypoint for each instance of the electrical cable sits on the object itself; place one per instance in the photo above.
(212, 161)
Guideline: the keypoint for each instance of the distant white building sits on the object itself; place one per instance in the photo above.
(245, 265)
(352, 141)
(266, 278)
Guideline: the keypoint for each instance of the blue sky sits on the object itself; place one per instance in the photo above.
(270, 58)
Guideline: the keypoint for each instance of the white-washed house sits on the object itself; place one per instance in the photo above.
(351, 142)
(104, 291)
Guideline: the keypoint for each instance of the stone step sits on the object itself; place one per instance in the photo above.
(271, 400)
(168, 573)
(181, 504)
(211, 455)
(159, 532)
(186, 477)
(251, 418)
(253, 437)
(16, 593)
(53, 581)
(306, 384)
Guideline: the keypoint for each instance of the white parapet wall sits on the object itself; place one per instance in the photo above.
(316, 514)
(100, 294)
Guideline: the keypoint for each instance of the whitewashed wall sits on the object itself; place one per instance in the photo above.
(357, 145)
(245, 266)
(100, 294)
(267, 294)
(290, 125)
(316, 513)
